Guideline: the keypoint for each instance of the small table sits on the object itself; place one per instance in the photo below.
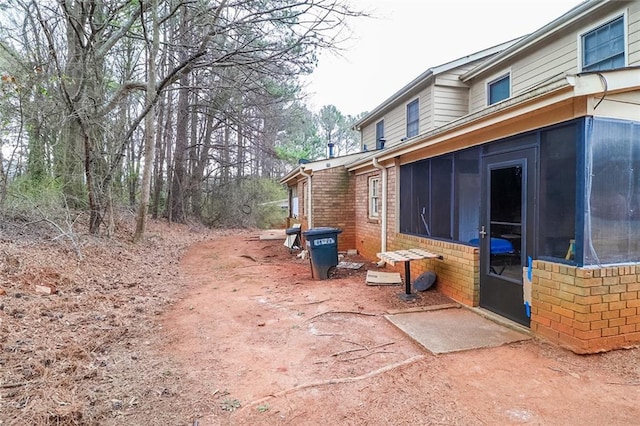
(407, 256)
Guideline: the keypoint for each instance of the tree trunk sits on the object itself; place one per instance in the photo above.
(198, 177)
(178, 185)
(168, 144)
(158, 166)
(152, 51)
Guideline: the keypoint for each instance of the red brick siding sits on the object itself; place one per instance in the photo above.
(586, 310)
(458, 272)
(333, 203)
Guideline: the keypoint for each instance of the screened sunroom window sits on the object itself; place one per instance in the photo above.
(440, 197)
(603, 48)
(612, 212)
(557, 207)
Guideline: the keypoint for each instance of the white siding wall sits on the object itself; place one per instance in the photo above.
(426, 110)
(395, 127)
(395, 120)
(554, 58)
(452, 103)
(369, 135)
(634, 34)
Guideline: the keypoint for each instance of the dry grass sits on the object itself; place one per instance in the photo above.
(83, 355)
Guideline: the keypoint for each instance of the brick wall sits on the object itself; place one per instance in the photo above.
(368, 231)
(333, 204)
(586, 310)
(458, 272)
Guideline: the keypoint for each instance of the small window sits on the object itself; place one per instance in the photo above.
(380, 134)
(293, 197)
(499, 89)
(374, 196)
(413, 118)
(604, 48)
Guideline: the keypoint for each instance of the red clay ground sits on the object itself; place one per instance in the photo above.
(271, 346)
(219, 328)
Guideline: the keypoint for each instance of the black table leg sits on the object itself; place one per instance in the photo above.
(407, 295)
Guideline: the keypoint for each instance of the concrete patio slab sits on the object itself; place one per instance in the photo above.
(454, 329)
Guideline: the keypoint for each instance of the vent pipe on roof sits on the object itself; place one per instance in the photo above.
(330, 145)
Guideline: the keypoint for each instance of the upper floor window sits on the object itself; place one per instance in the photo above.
(413, 118)
(499, 89)
(374, 197)
(380, 134)
(604, 48)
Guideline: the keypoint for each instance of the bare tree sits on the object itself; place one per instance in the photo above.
(233, 63)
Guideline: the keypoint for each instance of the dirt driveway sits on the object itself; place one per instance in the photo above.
(268, 345)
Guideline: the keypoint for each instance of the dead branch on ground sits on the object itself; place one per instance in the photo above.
(363, 348)
(341, 312)
(365, 356)
(335, 381)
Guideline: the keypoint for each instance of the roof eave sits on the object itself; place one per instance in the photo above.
(427, 75)
(290, 176)
(557, 85)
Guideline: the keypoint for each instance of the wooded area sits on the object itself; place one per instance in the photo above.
(177, 109)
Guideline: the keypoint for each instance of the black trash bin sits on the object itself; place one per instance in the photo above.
(322, 244)
(293, 238)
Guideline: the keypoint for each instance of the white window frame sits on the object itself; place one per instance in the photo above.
(417, 102)
(493, 81)
(608, 19)
(374, 197)
(381, 135)
(294, 208)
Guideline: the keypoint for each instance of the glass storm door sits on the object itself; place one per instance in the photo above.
(506, 230)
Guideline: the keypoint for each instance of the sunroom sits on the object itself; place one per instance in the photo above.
(535, 206)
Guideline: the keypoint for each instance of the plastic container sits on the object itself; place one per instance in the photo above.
(322, 244)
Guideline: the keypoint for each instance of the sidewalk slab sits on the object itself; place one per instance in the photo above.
(453, 330)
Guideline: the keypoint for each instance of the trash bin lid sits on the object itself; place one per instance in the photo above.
(321, 231)
(424, 281)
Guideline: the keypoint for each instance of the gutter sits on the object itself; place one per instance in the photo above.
(308, 200)
(558, 83)
(383, 236)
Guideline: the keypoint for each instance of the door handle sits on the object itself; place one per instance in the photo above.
(482, 232)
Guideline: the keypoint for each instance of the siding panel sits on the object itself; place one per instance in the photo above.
(558, 56)
(452, 103)
(395, 124)
(634, 34)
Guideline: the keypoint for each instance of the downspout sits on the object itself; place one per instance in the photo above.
(308, 197)
(383, 172)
